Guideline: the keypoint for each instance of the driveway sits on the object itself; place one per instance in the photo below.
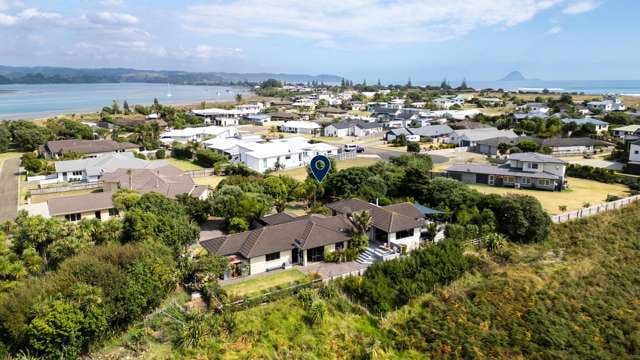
(9, 189)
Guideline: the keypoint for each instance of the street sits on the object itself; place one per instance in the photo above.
(9, 189)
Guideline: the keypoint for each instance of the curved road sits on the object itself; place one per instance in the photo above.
(9, 189)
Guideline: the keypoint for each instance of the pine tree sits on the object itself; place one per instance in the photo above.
(125, 107)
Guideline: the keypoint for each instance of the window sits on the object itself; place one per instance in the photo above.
(113, 212)
(273, 256)
(98, 214)
(340, 246)
(404, 234)
(532, 166)
(77, 173)
(315, 254)
(73, 217)
(637, 152)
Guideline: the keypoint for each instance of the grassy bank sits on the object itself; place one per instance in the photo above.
(573, 296)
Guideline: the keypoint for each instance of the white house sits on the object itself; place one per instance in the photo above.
(259, 119)
(535, 107)
(624, 131)
(446, 102)
(633, 163)
(300, 127)
(469, 137)
(196, 134)
(609, 103)
(229, 146)
(352, 128)
(220, 117)
(250, 109)
(284, 153)
(600, 126)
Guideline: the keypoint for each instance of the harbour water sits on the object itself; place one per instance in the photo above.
(590, 87)
(43, 100)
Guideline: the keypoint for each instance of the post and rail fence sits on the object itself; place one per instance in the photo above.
(594, 210)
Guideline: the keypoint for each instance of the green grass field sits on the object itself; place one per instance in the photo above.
(257, 284)
(580, 191)
(183, 164)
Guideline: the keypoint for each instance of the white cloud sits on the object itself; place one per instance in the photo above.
(30, 17)
(579, 7)
(555, 30)
(112, 18)
(9, 4)
(206, 52)
(112, 2)
(7, 20)
(372, 21)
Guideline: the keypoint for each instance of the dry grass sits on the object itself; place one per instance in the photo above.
(259, 283)
(580, 191)
(212, 181)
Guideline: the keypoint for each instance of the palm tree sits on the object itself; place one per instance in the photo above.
(362, 221)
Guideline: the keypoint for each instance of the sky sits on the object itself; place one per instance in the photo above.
(392, 40)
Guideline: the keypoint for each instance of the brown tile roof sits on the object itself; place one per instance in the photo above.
(387, 220)
(405, 208)
(87, 146)
(167, 180)
(80, 203)
(310, 232)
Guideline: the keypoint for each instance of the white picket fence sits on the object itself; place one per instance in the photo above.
(593, 210)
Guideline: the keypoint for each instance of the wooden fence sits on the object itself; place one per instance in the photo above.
(273, 295)
(593, 210)
(200, 173)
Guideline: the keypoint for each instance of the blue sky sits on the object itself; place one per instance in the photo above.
(388, 39)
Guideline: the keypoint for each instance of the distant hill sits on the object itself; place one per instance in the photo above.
(61, 75)
(514, 76)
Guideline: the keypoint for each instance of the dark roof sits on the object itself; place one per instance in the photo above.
(577, 141)
(405, 115)
(385, 111)
(536, 157)
(368, 125)
(499, 140)
(283, 115)
(385, 219)
(342, 124)
(498, 170)
(307, 233)
(80, 204)
(87, 146)
(432, 130)
(331, 110)
(466, 124)
(279, 218)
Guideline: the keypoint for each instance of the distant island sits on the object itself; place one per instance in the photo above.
(61, 75)
(515, 76)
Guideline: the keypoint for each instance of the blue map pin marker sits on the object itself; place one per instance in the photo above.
(320, 166)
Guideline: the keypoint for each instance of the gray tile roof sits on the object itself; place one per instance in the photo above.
(431, 130)
(81, 203)
(536, 157)
(87, 146)
(499, 170)
(307, 233)
(107, 163)
(167, 180)
(384, 219)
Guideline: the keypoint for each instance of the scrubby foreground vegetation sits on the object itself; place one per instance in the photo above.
(575, 295)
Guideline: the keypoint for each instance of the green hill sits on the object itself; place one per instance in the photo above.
(577, 295)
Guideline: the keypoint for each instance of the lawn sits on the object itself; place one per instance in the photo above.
(212, 181)
(259, 283)
(580, 191)
(183, 164)
(301, 173)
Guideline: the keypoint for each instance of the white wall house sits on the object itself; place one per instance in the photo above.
(282, 153)
(470, 137)
(609, 103)
(600, 126)
(196, 134)
(300, 127)
(447, 102)
(624, 131)
(536, 108)
(634, 153)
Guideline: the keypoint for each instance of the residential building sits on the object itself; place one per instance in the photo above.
(331, 112)
(229, 146)
(633, 162)
(259, 119)
(300, 127)
(167, 180)
(470, 137)
(490, 101)
(220, 117)
(600, 126)
(536, 107)
(92, 169)
(436, 133)
(296, 242)
(522, 170)
(75, 208)
(56, 149)
(396, 225)
(445, 102)
(352, 128)
(624, 131)
(558, 146)
(196, 134)
(280, 154)
(283, 116)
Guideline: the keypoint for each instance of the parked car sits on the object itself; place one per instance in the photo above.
(353, 147)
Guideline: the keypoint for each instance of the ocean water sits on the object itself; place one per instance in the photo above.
(44, 100)
(593, 87)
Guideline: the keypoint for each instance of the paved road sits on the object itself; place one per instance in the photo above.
(387, 154)
(9, 189)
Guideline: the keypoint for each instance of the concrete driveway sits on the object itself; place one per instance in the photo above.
(9, 189)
